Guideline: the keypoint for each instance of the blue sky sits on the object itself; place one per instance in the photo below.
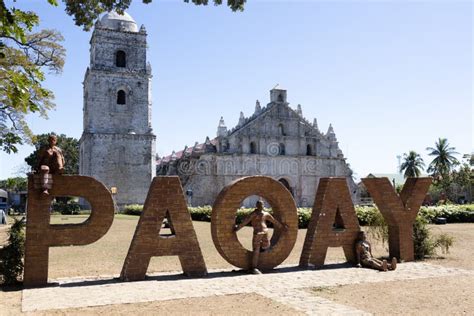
(390, 76)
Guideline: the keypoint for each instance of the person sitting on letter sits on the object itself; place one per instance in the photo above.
(260, 241)
(50, 161)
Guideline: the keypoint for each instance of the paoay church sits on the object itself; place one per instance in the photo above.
(117, 145)
(275, 141)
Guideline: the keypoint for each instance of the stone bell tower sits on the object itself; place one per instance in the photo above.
(117, 146)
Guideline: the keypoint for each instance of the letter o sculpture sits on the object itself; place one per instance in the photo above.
(223, 221)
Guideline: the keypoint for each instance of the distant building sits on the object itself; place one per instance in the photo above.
(275, 141)
(3, 200)
(117, 146)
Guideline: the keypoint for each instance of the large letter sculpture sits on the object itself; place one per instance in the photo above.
(399, 211)
(223, 220)
(164, 197)
(40, 234)
(333, 223)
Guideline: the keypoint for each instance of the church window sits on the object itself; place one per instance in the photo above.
(280, 98)
(121, 97)
(253, 148)
(120, 59)
(282, 149)
(281, 130)
(309, 150)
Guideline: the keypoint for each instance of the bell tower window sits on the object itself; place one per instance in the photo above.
(121, 97)
(120, 59)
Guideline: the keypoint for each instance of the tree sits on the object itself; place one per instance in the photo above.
(14, 184)
(24, 55)
(463, 178)
(69, 147)
(412, 164)
(444, 160)
(86, 12)
(11, 256)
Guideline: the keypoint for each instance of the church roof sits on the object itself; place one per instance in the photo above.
(187, 150)
(245, 121)
(120, 22)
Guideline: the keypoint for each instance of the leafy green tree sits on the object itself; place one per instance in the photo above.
(24, 56)
(86, 12)
(412, 164)
(444, 160)
(14, 184)
(11, 263)
(463, 178)
(69, 147)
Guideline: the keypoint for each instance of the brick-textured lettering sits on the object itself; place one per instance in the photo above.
(164, 197)
(399, 211)
(40, 234)
(223, 220)
(333, 205)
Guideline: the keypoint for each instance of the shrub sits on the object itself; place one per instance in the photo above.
(370, 216)
(425, 243)
(201, 213)
(133, 209)
(452, 213)
(304, 216)
(367, 215)
(66, 208)
(422, 241)
(11, 256)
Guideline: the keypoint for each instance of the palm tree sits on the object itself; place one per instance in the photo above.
(412, 164)
(444, 160)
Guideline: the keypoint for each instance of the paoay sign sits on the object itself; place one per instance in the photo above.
(165, 199)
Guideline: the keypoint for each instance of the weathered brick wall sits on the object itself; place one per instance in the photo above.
(223, 221)
(332, 197)
(40, 234)
(165, 195)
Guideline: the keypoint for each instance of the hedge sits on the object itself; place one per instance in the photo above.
(365, 214)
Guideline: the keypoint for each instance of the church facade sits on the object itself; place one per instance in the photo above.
(117, 146)
(276, 141)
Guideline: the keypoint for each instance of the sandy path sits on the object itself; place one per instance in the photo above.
(435, 296)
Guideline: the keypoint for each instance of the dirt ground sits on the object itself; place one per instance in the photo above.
(438, 296)
(105, 257)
